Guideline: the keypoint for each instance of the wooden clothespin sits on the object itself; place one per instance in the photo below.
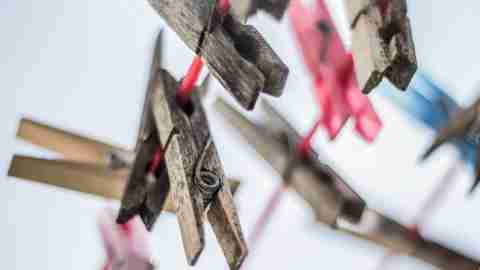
(382, 42)
(321, 187)
(246, 8)
(238, 56)
(191, 164)
(331, 66)
(127, 246)
(88, 166)
(386, 232)
(95, 167)
(464, 129)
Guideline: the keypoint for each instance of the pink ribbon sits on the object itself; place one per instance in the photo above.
(336, 88)
(127, 246)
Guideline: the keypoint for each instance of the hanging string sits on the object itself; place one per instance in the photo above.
(432, 203)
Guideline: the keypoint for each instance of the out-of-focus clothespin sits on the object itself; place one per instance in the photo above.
(332, 200)
(127, 246)
(382, 42)
(463, 127)
(426, 102)
(384, 231)
(320, 186)
(331, 66)
(238, 56)
(246, 8)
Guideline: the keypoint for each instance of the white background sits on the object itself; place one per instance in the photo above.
(82, 65)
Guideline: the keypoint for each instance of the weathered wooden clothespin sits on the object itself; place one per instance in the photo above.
(399, 239)
(321, 187)
(331, 66)
(382, 42)
(238, 56)
(190, 163)
(246, 8)
(127, 246)
(95, 167)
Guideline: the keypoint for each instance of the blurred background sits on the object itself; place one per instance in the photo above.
(83, 66)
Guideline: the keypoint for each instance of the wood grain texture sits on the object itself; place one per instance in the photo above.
(222, 213)
(396, 237)
(382, 43)
(180, 158)
(190, 130)
(72, 146)
(233, 51)
(83, 177)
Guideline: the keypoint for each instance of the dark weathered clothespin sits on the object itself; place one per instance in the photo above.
(246, 8)
(320, 186)
(189, 166)
(399, 239)
(195, 173)
(463, 126)
(237, 54)
(146, 190)
(382, 42)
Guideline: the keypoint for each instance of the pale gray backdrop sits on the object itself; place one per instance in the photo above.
(83, 65)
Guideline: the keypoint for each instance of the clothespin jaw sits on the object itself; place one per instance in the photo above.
(328, 195)
(382, 42)
(464, 126)
(400, 239)
(238, 56)
(247, 8)
(146, 192)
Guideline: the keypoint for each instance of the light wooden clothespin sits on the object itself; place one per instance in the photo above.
(237, 55)
(382, 42)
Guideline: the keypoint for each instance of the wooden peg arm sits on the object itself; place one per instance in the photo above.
(236, 53)
(382, 43)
